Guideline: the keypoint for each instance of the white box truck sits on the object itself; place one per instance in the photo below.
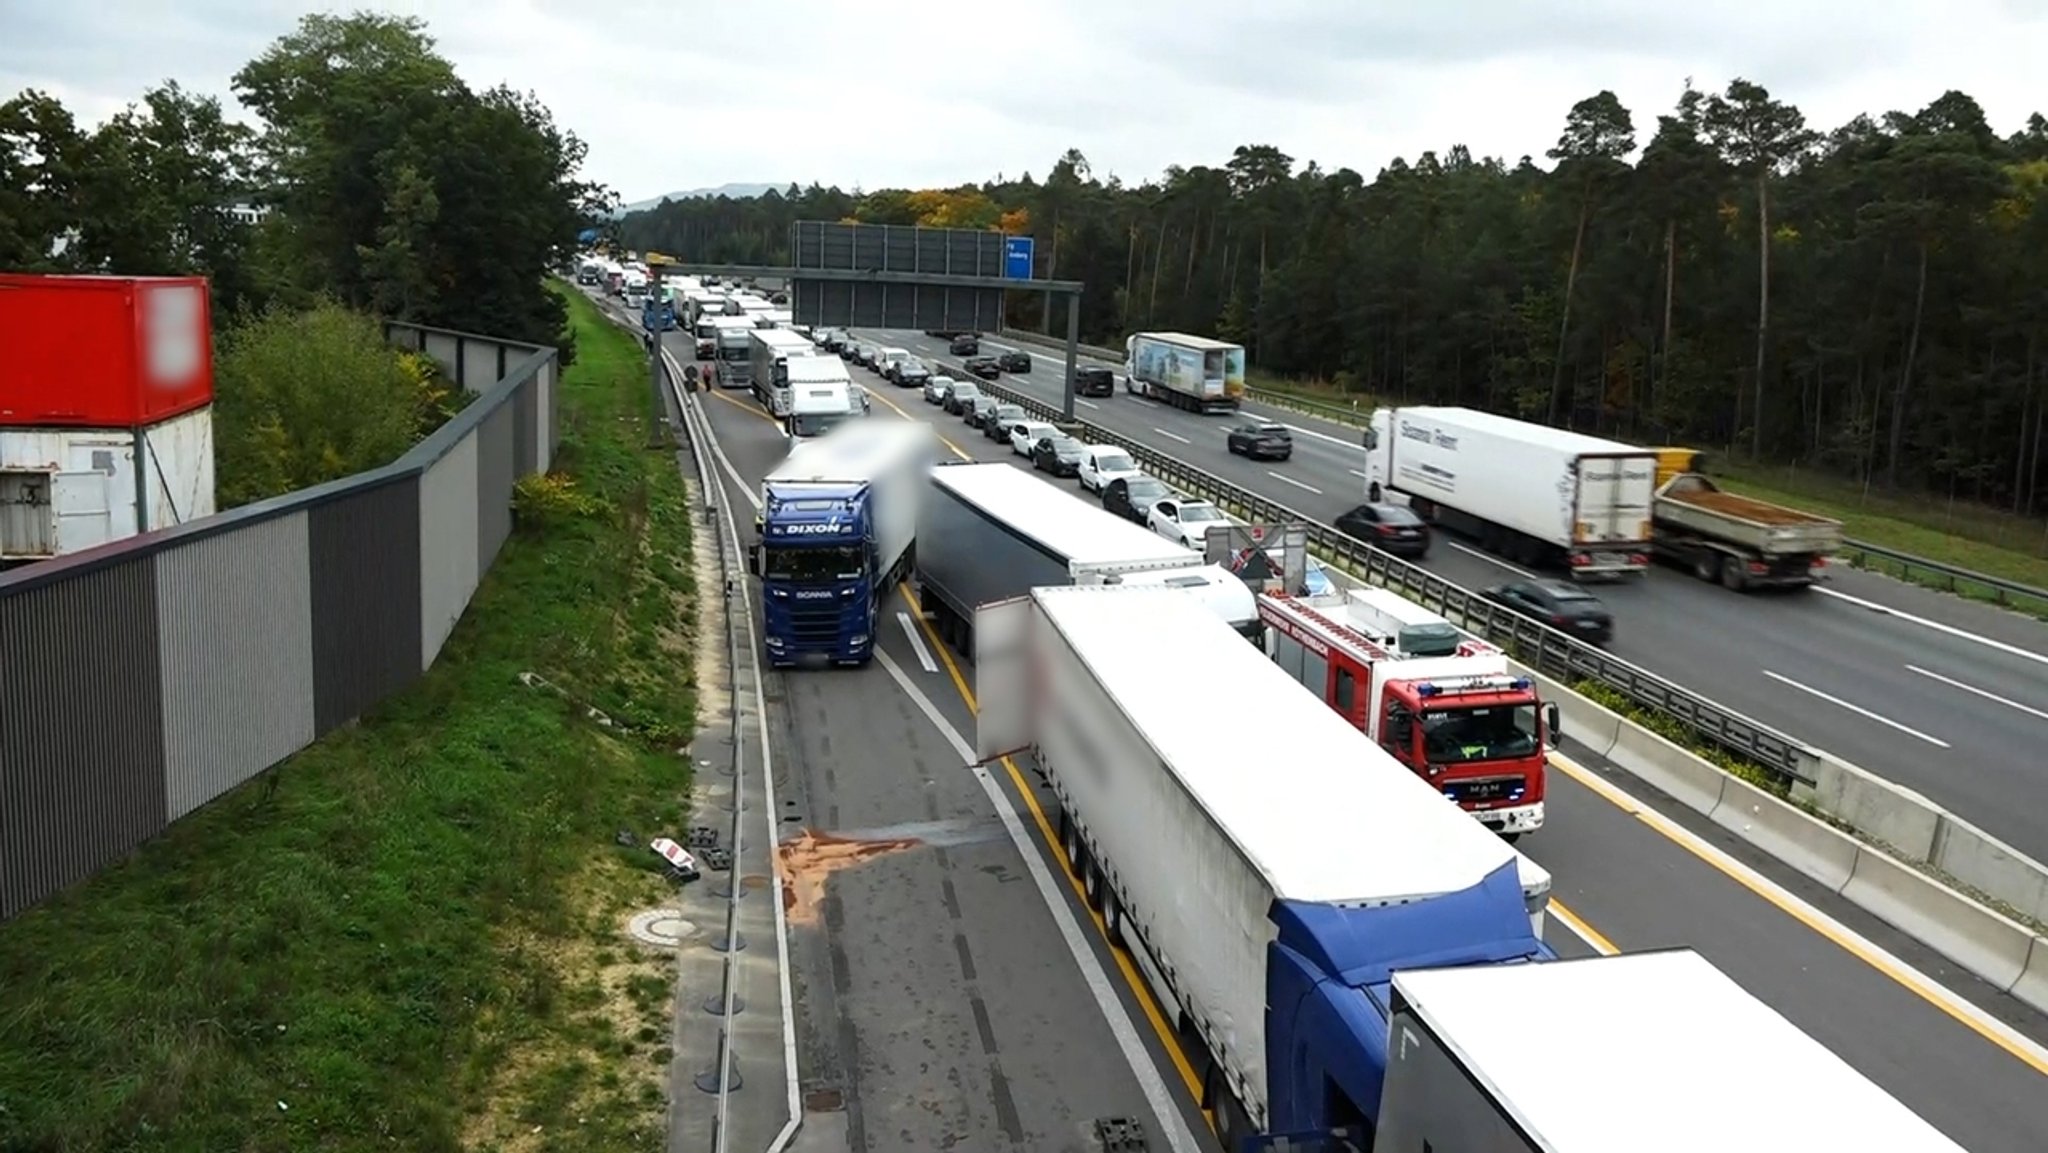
(1534, 494)
(1267, 870)
(769, 351)
(1191, 372)
(822, 396)
(989, 532)
(1598, 1056)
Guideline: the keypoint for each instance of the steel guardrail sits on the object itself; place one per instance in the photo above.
(1862, 554)
(1550, 652)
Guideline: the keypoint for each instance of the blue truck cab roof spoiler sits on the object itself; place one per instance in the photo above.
(1329, 972)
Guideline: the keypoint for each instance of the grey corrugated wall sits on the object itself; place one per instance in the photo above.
(236, 617)
(146, 678)
(81, 728)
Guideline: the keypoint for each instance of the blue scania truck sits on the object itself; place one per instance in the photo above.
(838, 531)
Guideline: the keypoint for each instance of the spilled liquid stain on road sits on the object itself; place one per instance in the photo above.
(808, 859)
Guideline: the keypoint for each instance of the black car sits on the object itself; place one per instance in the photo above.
(1132, 497)
(982, 408)
(1389, 527)
(984, 367)
(1262, 438)
(960, 396)
(966, 344)
(1058, 455)
(912, 374)
(997, 425)
(1561, 605)
(1015, 360)
(1094, 380)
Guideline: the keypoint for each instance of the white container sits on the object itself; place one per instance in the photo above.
(66, 490)
(891, 456)
(1202, 821)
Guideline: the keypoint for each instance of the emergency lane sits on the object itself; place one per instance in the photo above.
(1890, 691)
(1635, 871)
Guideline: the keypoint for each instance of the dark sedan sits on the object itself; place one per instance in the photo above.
(1389, 527)
(966, 344)
(1132, 497)
(997, 426)
(1058, 455)
(1094, 380)
(983, 408)
(1015, 360)
(1262, 439)
(1565, 607)
(960, 396)
(984, 367)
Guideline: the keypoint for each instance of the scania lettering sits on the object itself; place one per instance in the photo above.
(1476, 732)
(769, 351)
(838, 533)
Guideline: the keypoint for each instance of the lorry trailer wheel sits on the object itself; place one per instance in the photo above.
(1113, 921)
(1732, 575)
(1707, 567)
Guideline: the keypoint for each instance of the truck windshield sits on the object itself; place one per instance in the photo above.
(814, 423)
(837, 562)
(732, 352)
(1490, 733)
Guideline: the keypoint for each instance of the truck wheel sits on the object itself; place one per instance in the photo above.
(1092, 884)
(1113, 921)
(1707, 567)
(1732, 575)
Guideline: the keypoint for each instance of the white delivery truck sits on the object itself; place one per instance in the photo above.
(1191, 372)
(1534, 494)
(822, 395)
(1596, 1054)
(769, 352)
(1265, 869)
(989, 532)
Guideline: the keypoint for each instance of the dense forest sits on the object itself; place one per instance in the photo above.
(382, 185)
(1871, 300)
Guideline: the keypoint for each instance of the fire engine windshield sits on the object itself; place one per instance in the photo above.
(1457, 736)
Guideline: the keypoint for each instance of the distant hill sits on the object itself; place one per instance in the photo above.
(736, 191)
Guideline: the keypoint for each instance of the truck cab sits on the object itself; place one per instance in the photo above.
(815, 561)
(818, 408)
(1465, 723)
(734, 351)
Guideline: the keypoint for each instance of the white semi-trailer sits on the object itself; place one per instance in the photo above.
(1602, 1054)
(769, 351)
(1191, 372)
(989, 532)
(1268, 870)
(1534, 494)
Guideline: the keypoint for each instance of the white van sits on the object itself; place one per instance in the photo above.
(1402, 625)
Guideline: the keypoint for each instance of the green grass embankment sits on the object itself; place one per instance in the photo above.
(414, 941)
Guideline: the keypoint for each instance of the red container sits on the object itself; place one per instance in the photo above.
(103, 351)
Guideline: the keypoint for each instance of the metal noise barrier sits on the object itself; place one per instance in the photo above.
(1562, 658)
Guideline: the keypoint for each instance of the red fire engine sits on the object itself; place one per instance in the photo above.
(1464, 723)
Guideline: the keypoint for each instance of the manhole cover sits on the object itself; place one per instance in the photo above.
(662, 928)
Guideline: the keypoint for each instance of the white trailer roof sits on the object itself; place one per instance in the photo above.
(849, 452)
(784, 341)
(1598, 1055)
(1312, 803)
(1058, 520)
(1203, 343)
(818, 370)
(1506, 427)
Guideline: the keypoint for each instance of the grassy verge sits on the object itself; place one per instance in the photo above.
(413, 942)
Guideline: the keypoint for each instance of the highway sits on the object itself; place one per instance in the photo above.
(892, 1008)
(1943, 695)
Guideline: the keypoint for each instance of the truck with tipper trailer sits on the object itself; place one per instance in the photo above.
(769, 352)
(1599, 1055)
(1738, 540)
(1476, 731)
(838, 532)
(1531, 493)
(988, 532)
(1267, 872)
(822, 395)
(1190, 372)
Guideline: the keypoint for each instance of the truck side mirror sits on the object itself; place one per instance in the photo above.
(1552, 723)
(754, 560)
(1371, 440)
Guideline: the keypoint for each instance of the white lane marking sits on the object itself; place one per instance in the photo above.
(1295, 483)
(1359, 473)
(924, 655)
(1937, 626)
(1973, 689)
(1859, 710)
(1172, 436)
(1086, 403)
(1164, 1110)
(1468, 550)
(1325, 436)
(1146, 401)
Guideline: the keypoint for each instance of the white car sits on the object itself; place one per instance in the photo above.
(1185, 521)
(1102, 463)
(1026, 433)
(936, 388)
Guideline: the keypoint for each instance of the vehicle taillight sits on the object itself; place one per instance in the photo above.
(1385, 529)
(1580, 560)
(1638, 560)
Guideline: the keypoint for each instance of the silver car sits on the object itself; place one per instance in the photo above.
(937, 389)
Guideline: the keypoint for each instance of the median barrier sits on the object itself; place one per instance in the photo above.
(1989, 865)
(2032, 987)
(1873, 806)
(1815, 848)
(1692, 780)
(1589, 724)
(1994, 947)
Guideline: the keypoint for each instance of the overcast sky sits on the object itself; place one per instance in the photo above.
(680, 94)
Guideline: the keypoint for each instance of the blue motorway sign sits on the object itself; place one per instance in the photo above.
(1017, 257)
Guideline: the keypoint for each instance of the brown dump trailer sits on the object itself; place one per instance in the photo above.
(1738, 540)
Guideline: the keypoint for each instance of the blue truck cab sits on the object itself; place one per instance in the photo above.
(658, 316)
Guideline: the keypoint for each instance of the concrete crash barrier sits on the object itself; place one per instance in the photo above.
(1992, 946)
(1585, 723)
(1696, 782)
(1815, 848)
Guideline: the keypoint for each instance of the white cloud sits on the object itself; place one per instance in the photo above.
(687, 94)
